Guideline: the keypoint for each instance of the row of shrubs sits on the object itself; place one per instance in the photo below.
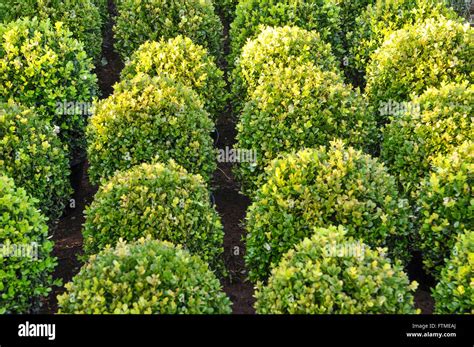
(162, 111)
(291, 101)
(150, 148)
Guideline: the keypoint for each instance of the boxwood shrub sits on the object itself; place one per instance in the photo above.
(144, 277)
(330, 273)
(417, 57)
(163, 201)
(446, 205)
(149, 118)
(296, 108)
(322, 16)
(276, 47)
(25, 260)
(46, 74)
(82, 17)
(32, 153)
(189, 63)
(382, 17)
(437, 122)
(153, 19)
(454, 294)
(317, 187)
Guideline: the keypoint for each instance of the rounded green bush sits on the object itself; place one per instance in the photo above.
(188, 63)
(296, 108)
(383, 17)
(434, 123)
(142, 20)
(149, 118)
(427, 54)
(251, 16)
(25, 261)
(31, 152)
(330, 273)
(82, 17)
(42, 66)
(319, 187)
(145, 277)
(446, 205)
(163, 201)
(273, 48)
(455, 291)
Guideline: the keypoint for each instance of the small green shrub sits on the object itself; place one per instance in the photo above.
(82, 17)
(320, 276)
(455, 292)
(296, 108)
(437, 122)
(145, 277)
(226, 8)
(274, 48)
(181, 59)
(417, 57)
(149, 118)
(252, 15)
(162, 201)
(319, 187)
(25, 260)
(446, 205)
(42, 66)
(142, 20)
(31, 152)
(383, 17)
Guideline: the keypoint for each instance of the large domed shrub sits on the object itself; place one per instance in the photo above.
(142, 20)
(25, 261)
(417, 57)
(318, 187)
(330, 273)
(181, 59)
(381, 18)
(446, 205)
(32, 153)
(82, 17)
(147, 118)
(297, 108)
(274, 48)
(252, 15)
(41, 65)
(145, 277)
(163, 201)
(439, 121)
(455, 291)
